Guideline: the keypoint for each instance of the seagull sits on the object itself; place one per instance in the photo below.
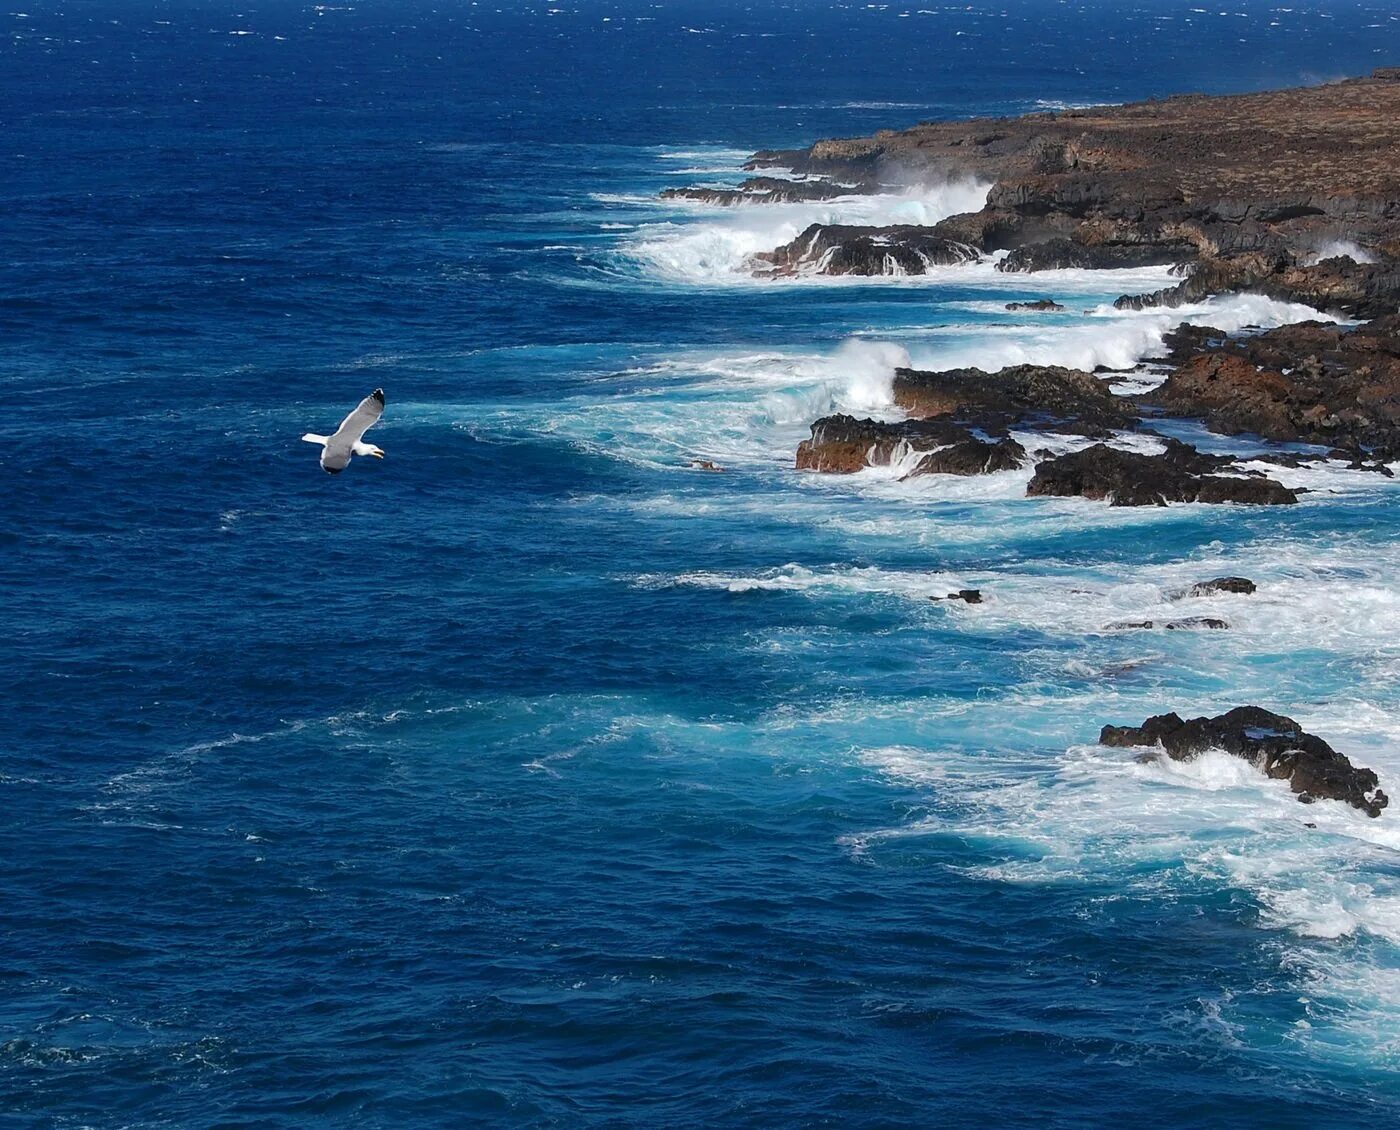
(337, 449)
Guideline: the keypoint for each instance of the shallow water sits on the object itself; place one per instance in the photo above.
(535, 777)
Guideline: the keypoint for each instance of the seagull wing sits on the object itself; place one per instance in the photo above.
(365, 416)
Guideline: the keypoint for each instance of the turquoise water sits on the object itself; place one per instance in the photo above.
(533, 776)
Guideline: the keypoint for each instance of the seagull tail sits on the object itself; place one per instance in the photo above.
(312, 437)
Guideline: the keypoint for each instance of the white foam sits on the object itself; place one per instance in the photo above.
(1117, 339)
(717, 245)
(1335, 247)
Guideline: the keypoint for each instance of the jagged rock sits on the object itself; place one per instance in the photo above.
(843, 444)
(1128, 478)
(1060, 254)
(971, 456)
(705, 465)
(969, 596)
(1040, 305)
(841, 249)
(765, 190)
(1359, 290)
(1189, 623)
(1315, 382)
(1275, 744)
(1069, 399)
(1241, 585)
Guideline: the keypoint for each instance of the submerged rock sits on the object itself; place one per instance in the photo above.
(1128, 478)
(1271, 742)
(1189, 624)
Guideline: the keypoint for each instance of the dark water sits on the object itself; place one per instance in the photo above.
(532, 777)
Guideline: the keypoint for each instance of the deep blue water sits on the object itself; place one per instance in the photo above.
(532, 777)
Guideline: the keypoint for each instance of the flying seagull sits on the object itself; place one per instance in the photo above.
(337, 449)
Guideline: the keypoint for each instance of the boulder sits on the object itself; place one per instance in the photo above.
(1242, 585)
(968, 596)
(1275, 744)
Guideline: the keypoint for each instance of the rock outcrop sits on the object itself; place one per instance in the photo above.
(1314, 382)
(843, 444)
(971, 456)
(1129, 478)
(1043, 396)
(840, 249)
(1275, 744)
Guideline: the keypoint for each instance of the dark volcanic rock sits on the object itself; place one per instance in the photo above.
(971, 456)
(1242, 585)
(1312, 381)
(1040, 305)
(840, 249)
(1062, 253)
(970, 596)
(1358, 290)
(844, 444)
(1188, 624)
(1070, 399)
(1127, 478)
(1273, 743)
(766, 190)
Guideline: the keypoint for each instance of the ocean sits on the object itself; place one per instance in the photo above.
(535, 777)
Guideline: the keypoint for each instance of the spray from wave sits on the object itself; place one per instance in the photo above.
(716, 246)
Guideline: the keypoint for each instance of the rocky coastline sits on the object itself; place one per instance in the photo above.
(1291, 194)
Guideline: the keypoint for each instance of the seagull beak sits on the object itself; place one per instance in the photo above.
(377, 453)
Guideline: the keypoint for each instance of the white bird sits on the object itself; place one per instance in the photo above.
(337, 449)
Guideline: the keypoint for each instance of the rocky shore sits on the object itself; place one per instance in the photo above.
(1291, 194)
(1253, 192)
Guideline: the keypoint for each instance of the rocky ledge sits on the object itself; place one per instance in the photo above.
(1275, 744)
